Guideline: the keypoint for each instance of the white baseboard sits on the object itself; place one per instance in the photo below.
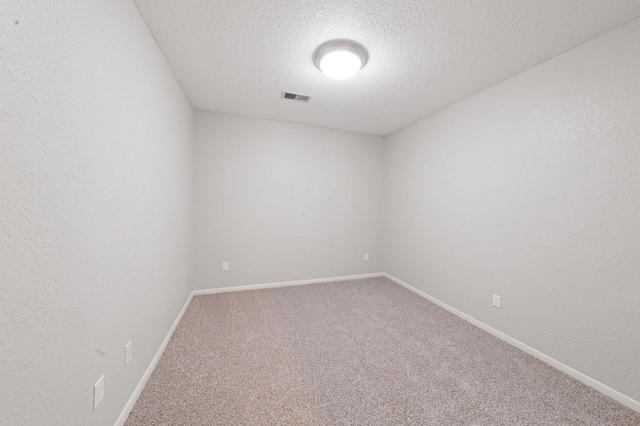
(600, 387)
(285, 284)
(145, 377)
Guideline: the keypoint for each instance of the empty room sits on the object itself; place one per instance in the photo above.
(342, 212)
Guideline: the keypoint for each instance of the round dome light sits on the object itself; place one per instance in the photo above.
(340, 59)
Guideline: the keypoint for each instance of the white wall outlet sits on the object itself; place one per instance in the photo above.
(225, 266)
(496, 300)
(366, 257)
(98, 392)
(128, 352)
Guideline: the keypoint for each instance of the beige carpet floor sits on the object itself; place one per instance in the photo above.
(365, 352)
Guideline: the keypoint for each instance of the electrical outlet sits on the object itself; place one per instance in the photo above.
(366, 257)
(225, 266)
(98, 392)
(127, 352)
(496, 300)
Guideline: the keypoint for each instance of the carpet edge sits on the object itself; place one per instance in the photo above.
(285, 284)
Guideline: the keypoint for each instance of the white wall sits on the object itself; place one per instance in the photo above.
(283, 202)
(95, 193)
(531, 190)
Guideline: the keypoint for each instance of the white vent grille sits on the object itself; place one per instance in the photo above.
(295, 97)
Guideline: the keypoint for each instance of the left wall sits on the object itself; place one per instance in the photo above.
(95, 206)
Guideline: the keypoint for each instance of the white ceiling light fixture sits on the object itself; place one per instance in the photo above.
(340, 59)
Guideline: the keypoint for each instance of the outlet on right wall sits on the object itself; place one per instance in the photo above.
(531, 190)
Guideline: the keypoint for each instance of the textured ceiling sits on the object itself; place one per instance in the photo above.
(238, 56)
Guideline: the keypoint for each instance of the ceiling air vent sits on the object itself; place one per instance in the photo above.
(295, 97)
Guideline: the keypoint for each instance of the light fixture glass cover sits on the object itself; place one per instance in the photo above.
(340, 59)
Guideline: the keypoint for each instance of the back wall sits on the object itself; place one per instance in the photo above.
(284, 202)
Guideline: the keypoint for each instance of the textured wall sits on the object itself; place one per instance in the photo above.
(95, 188)
(531, 190)
(284, 202)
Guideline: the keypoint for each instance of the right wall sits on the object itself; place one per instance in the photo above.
(531, 190)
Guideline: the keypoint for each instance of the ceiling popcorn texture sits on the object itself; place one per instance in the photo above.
(237, 56)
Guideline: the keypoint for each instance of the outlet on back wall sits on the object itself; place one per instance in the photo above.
(496, 300)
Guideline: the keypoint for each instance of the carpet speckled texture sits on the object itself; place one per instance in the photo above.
(365, 352)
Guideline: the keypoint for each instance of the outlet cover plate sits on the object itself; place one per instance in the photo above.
(128, 352)
(98, 392)
(496, 300)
